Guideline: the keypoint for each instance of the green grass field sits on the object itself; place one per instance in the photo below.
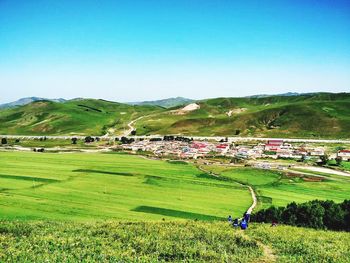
(76, 186)
(83, 207)
(277, 188)
(345, 166)
(167, 241)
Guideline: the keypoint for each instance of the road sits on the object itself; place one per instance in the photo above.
(131, 126)
(199, 138)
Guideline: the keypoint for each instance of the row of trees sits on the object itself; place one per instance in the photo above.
(316, 214)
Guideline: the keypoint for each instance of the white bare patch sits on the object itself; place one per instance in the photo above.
(187, 109)
(235, 111)
(123, 113)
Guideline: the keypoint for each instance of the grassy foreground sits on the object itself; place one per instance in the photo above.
(167, 241)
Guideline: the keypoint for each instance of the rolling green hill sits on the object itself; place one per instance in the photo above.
(78, 117)
(315, 115)
(319, 115)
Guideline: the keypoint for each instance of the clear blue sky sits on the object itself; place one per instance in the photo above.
(138, 50)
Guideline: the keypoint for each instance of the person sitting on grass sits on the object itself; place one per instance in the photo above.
(235, 223)
(229, 219)
(274, 223)
(244, 224)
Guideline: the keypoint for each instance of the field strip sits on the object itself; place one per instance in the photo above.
(251, 208)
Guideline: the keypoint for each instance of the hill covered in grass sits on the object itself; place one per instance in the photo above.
(188, 241)
(318, 115)
(78, 117)
(324, 115)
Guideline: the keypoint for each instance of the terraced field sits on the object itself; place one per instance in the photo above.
(76, 186)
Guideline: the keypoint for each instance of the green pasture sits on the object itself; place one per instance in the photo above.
(188, 241)
(78, 186)
(345, 166)
(276, 188)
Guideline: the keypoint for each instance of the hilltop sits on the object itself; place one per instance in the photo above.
(316, 115)
(165, 103)
(25, 101)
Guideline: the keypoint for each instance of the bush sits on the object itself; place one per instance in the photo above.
(316, 214)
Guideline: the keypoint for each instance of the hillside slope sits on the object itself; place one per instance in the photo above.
(78, 117)
(319, 115)
(313, 115)
(188, 241)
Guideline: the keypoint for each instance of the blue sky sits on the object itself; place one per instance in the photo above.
(140, 50)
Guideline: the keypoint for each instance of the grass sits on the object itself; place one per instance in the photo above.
(186, 241)
(314, 116)
(277, 188)
(321, 115)
(345, 166)
(83, 187)
(75, 117)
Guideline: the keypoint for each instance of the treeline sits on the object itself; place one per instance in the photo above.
(316, 214)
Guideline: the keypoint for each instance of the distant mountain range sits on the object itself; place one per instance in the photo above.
(165, 103)
(25, 101)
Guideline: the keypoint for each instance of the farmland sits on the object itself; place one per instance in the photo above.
(76, 186)
(277, 188)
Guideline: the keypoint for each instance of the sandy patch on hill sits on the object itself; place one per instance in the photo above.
(187, 109)
(235, 111)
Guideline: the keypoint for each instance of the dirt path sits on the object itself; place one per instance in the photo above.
(131, 126)
(255, 200)
(269, 255)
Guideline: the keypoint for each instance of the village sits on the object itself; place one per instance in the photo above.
(184, 148)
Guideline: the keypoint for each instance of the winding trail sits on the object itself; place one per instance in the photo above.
(255, 200)
(131, 126)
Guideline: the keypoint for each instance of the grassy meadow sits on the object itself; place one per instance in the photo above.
(86, 186)
(188, 241)
(280, 189)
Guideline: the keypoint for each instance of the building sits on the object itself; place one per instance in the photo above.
(344, 155)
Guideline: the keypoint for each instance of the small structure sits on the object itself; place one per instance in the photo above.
(344, 155)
